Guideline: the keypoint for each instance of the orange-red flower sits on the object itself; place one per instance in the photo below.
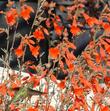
(74, 30)
(26, 11)
(11, 16)
(105, 108)
(32, 109)
(38, 34)
(61, 84)
(12, 106)
(91, 21)
(107, 81)
(58, 29)
(54, 53)
(10, 93)
(34, 50)
(106, 27)
(19, 51)
(3, 89)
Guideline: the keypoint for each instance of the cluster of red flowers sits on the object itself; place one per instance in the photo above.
(84, 73)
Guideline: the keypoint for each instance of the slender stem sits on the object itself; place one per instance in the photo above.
(14, 38)
(38, 10)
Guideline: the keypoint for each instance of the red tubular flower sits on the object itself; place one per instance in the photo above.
(58, 29)
(54, 53)
(11, 16)
(32, 109)
(26, 11)
(19, 51)
(34, 50)
(38, 34)
(74, 30)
